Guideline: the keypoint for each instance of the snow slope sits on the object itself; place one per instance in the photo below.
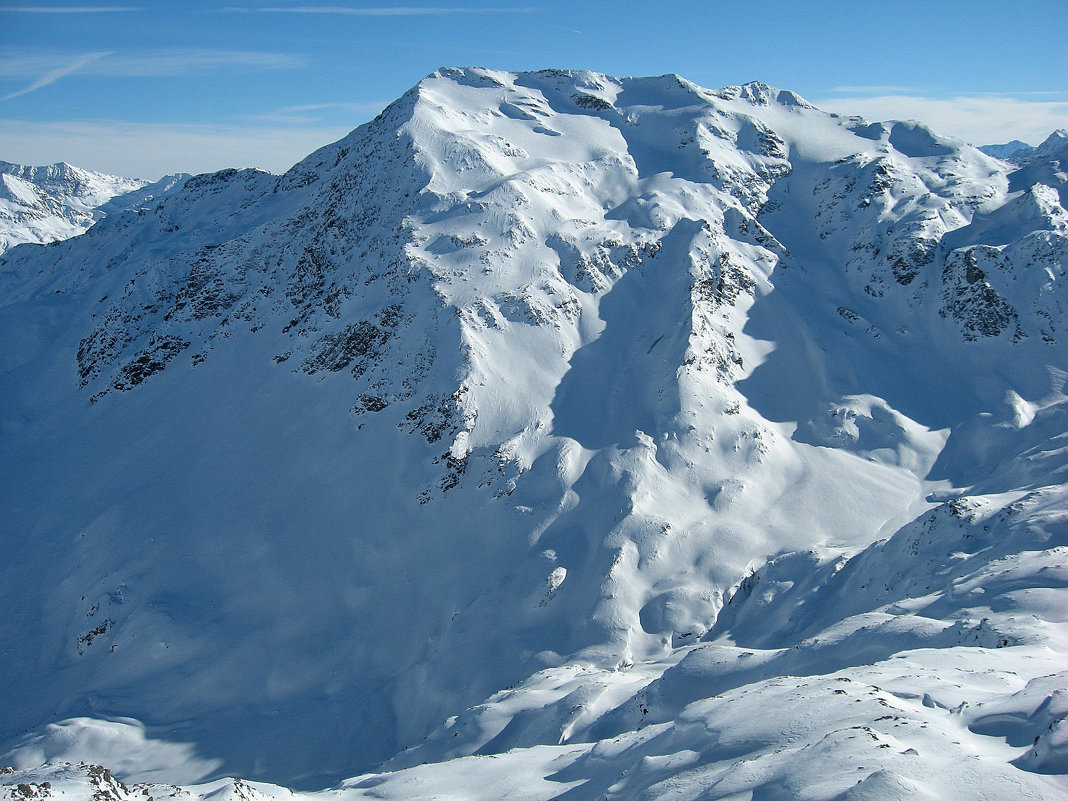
(46, 204)
(552, 435)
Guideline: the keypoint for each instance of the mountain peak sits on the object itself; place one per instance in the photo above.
(761, 94)
(1008, 151)
(1054, 144)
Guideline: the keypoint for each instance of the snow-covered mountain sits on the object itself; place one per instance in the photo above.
(46, 204)
(1052, 149)
(1008, 151)
(553, 435)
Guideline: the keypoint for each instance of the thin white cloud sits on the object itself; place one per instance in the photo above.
(1049, 94)
(70, 9)
(53, 75)
(51, 67)
(150, 150)
(322, 106)
(888, 90)
(875, 90)
(313, 113)
(190, 61)
(980, 120)
(389, 11)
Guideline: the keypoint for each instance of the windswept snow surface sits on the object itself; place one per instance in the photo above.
(553, 435)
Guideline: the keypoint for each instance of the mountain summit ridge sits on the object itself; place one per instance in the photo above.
(546, 411)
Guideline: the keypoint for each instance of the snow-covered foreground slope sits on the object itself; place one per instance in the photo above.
(46, 204)
(552, 435)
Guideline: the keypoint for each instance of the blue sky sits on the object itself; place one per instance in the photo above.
(144, 89)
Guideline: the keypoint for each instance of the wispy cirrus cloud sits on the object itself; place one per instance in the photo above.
(191, 61)
(54, 74)
(314, 113)
(979, 119)
(143, 64)
(70, 9)
(386, 11)
(936, 92)
(876, 90)
(47, 68)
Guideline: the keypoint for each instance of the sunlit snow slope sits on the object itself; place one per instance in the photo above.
(45, 204)
(657, 442)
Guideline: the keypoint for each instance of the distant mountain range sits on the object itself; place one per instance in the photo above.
(47, 204)
(1021, 152)
(553, 435)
